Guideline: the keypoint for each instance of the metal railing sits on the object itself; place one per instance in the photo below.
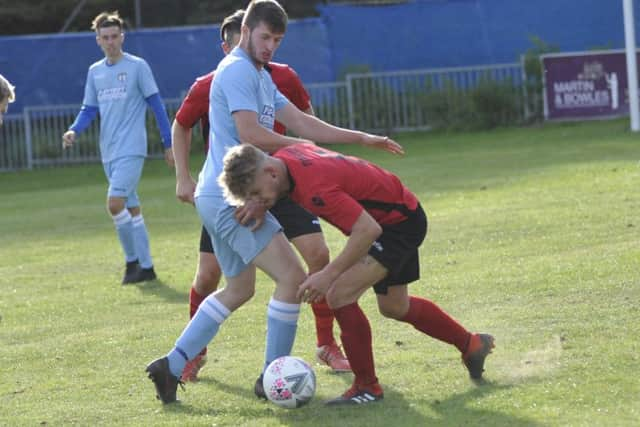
(13, 149)
(34, 138)
(409, 100)
(376, 102)
(330, 102)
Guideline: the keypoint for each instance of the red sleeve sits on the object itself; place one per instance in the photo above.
(196, 105)
(334, 206)
(299, 95)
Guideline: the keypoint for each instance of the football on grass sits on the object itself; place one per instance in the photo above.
(289, 382)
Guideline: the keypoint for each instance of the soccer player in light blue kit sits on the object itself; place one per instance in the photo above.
(244, 102)
(120, 87)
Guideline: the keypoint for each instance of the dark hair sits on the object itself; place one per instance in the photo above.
(231, 26)
(107, 19)
(268, 11)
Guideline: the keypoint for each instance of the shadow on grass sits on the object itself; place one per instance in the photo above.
(456, 409)
(162, 290)
(394, 409)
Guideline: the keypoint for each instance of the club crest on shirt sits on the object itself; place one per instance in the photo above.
(267, 117)
(317, 201)
(122, 77)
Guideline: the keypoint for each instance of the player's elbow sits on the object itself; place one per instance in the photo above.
(247, 135)
(375, 230)
(369, 230)
(300, 124)
(260, 138)
(176, 127)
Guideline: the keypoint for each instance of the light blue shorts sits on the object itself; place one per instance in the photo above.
(124, 175)
(235, 245)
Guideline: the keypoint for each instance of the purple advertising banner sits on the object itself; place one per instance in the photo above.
(585, 85)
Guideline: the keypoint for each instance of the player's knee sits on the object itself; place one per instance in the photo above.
(207, 280)
(335, 299)
(317, 257)
(246, 296)
(115, 206)
(238, 295)
(295, 277)
(392, 311)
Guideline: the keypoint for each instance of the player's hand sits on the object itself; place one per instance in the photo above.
(315, 287)
(253, 210)
(68, 138)
(383, 143)
(185, 188)
(168, 157)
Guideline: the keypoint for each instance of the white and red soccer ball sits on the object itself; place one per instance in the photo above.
(289, 382)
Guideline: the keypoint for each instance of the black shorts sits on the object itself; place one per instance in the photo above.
(397, 250)
(294, 219)
(205, 241)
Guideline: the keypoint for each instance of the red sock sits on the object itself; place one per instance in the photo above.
(195, 299)
(430, 319)
(356, 339)
(324, 322)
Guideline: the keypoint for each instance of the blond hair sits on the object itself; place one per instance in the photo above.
(241, 165)
(6, 90)
(107, 19)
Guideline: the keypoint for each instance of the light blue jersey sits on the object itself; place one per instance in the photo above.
(120, 91)
(237, 85)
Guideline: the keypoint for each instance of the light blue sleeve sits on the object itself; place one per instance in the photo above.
(281, 101)
(146, 82)
(239, 84)
(90, 95)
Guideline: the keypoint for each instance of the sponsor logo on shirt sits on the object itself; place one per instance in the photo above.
(300, 156)
(112, 94)
(267, 117)
(378, 246)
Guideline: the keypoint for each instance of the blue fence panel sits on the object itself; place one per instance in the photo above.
(441, 33)
(51, 69)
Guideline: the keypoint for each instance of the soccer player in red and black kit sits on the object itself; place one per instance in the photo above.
(300, 227)
(385, 224)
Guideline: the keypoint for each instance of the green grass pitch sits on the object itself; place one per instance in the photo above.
(534, 236)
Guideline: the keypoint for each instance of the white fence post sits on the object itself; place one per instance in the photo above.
(632, 69)
(27, 138)
(352, 119)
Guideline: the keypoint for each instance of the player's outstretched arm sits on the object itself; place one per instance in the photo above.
(251, 132)
(312, 128)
